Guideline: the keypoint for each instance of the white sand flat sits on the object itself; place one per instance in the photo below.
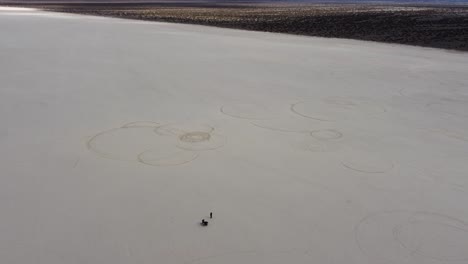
(117, 137)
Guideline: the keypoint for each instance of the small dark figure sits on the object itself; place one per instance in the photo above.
(203, 222)
(211, 215)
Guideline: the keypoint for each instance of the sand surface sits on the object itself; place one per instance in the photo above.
(117, 137)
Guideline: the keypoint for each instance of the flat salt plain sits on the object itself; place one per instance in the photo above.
(117, 137)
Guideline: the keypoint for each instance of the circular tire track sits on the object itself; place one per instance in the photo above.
(141, 124)
(137, 141)
(335, 109)
(247, 111)
(278, 129)
(293, 109)
(155, 158)
(123, 143)
(391, 236)
(200, 141)
(366, 162)
(193, 137)
(181, 129)
(326, 134)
